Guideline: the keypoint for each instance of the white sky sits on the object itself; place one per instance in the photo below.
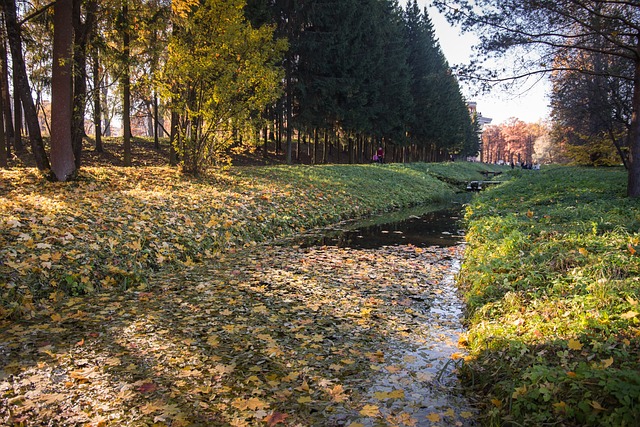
(500, 106)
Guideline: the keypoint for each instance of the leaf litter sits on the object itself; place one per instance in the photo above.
(266, 335)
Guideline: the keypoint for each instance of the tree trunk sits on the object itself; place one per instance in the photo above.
(265, 148)
(156, 122)
(104, 109)
(6, 97)
(82, 32)
(17, 115)
(126, 85)
(633, 184)
(325, 150)
(22, 83)
(4, 158)
(289, 112)
(62, 155)
(97, 104)
(173, 156)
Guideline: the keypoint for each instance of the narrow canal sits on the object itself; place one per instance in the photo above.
(418, 386)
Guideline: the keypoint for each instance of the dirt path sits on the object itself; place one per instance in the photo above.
(265, 336)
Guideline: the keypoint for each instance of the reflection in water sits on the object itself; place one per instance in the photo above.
(437, 228)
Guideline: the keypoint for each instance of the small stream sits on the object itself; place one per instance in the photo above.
(418, 226)
(429, 355)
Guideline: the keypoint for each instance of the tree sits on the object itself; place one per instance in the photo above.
(23, 91)
(125, 81)
(440, 119)
(219, 72)
(539, 30)
(81, 35)
(3, 139)
(591, 111)
(62, 156)
(493, 144)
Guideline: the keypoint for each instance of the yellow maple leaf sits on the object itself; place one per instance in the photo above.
(304, 386)
(381, 395)
(629, 315)
(255, 404)
(240, 404)
(305, 399)
(434, 418)
(150, 408)
(575, 344)
(607, 362)
(560, 406)
(213, 341)
(337, 393)
(370, 411)
(396, 394)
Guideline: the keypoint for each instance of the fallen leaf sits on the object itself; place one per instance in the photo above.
(575, 344)
(560, 406)
(275, 418)
(629, 315)
(255, 404)
(305, 399)
(370, 411)
(147, 387)
(434, 418)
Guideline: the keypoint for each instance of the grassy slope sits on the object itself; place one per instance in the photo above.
(109, 228)
(552, 280)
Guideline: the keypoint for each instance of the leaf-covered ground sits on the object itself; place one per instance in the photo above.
(263, 336)
(141, 297)
(110, 228)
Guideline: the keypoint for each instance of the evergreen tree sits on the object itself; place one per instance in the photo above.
(439, 118)
(391, 80)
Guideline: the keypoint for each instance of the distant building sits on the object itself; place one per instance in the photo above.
(473, 110)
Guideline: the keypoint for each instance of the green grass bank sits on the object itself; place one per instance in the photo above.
(111, 227)
(551, 278)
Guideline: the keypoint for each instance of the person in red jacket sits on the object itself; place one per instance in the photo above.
(380, 155)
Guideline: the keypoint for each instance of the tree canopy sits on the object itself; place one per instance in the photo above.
(545, 36)
(364, 73)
